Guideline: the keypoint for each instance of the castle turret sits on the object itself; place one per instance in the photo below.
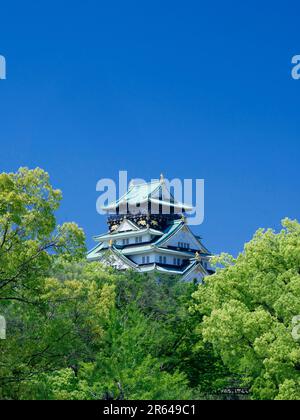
(147, 231)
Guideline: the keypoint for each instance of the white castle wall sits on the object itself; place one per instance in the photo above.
(154, 258)
(132, 240)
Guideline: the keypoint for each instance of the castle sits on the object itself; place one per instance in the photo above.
(147, 232)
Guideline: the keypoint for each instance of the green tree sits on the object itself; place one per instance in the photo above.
(125, 367)
(248, 307)
(29, 236)
(78, 330)
(147, 345)
(167, 301)
(30, 242)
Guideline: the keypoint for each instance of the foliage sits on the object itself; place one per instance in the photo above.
(249, 305)
(29, 237)
(138, 353)
(79, 330)
(30, 243)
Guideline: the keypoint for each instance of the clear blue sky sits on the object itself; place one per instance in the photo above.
(191, 89)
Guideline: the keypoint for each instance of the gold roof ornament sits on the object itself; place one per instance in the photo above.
(197, 256)
(110, 243)
(161, 178)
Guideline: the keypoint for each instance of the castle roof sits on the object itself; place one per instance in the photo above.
(156, 245)
(155, 192)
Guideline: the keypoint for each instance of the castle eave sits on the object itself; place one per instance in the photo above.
(127, 234)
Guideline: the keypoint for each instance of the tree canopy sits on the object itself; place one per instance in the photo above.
(79, 330)
(249, 306)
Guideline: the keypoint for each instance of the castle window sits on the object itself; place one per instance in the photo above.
(125, 241)
(184, 245)
(148, 259)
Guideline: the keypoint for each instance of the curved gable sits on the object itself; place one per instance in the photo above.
(127, 225)
(184, 236)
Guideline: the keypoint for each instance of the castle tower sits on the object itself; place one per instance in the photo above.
(147, 231)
